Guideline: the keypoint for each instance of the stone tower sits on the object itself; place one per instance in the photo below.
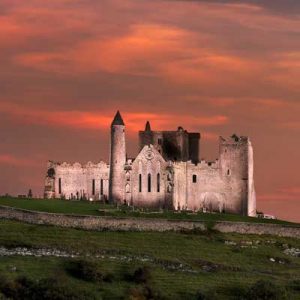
(117, 160)
(236, 169)
(178, 145)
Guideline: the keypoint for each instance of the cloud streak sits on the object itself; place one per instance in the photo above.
(102, 120)
(217, 67)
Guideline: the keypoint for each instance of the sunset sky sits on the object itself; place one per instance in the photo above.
(218, 67)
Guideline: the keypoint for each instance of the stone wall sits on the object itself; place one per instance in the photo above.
(139, 224)
(70, 181)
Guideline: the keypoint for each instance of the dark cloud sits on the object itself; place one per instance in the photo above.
(278, 6)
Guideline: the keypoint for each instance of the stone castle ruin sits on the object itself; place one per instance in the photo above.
(167, 173)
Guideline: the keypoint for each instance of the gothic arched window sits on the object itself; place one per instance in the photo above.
(59, 185)
(149, 183)
(101, 187)
(158, 182)
(140, 183)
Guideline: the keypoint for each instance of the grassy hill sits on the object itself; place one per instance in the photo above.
(99, 209)
(47, 262)
(80, 264)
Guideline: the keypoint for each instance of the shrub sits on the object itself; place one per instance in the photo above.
(200, 296)
(86, 270)
(266, 290)
(205, 296)
(46, 289)
(144, 293)
(295, 285)
(141, 275)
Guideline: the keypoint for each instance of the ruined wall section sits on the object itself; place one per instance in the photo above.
(251, 186)
(236, 168)
(149, 182)
(199, 187)
(194, 146)
(177, 145)
(226, 185)
(76, 181)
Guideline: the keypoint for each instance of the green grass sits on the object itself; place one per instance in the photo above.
(177, 261)
(98, 209)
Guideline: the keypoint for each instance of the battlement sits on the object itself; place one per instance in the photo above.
(212, 164)
(234, 140)
(202, 163)
(77, 165)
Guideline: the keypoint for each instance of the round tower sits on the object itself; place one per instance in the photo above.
(117, 160)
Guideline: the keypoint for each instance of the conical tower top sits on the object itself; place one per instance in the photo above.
(148, 127)
(117, 119)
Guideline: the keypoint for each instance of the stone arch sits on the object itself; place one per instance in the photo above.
(212, 201)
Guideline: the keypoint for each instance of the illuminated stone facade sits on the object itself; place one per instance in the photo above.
(166, 173)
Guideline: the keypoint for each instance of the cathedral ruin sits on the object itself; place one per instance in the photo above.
(166, 174)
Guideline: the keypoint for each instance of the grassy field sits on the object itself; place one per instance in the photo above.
(180, 266)
(98, 209)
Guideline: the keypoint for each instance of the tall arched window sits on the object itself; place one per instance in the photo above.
(140, 183)
(59, 185)
(101, 187)
(158, 182)
(149, 183)
(93, 187)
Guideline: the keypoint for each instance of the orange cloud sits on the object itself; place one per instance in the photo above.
(28, 20)
(148, 50)
(288, 69)
(97, 120)
(9, 159)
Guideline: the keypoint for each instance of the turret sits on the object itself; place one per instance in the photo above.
(117, 160)
(148, 126)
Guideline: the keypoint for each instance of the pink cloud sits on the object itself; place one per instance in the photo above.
(287, 193)
(96, 120)
(9, 159)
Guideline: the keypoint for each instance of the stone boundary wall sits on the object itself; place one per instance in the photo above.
(142, 224)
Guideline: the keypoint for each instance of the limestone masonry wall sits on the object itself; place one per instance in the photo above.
(139, 224)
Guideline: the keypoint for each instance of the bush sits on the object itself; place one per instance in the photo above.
(141, 275)
(144, 293)
(86, 270)
(211, 295)
(295, 285)
(266, 290)
(46, 289)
